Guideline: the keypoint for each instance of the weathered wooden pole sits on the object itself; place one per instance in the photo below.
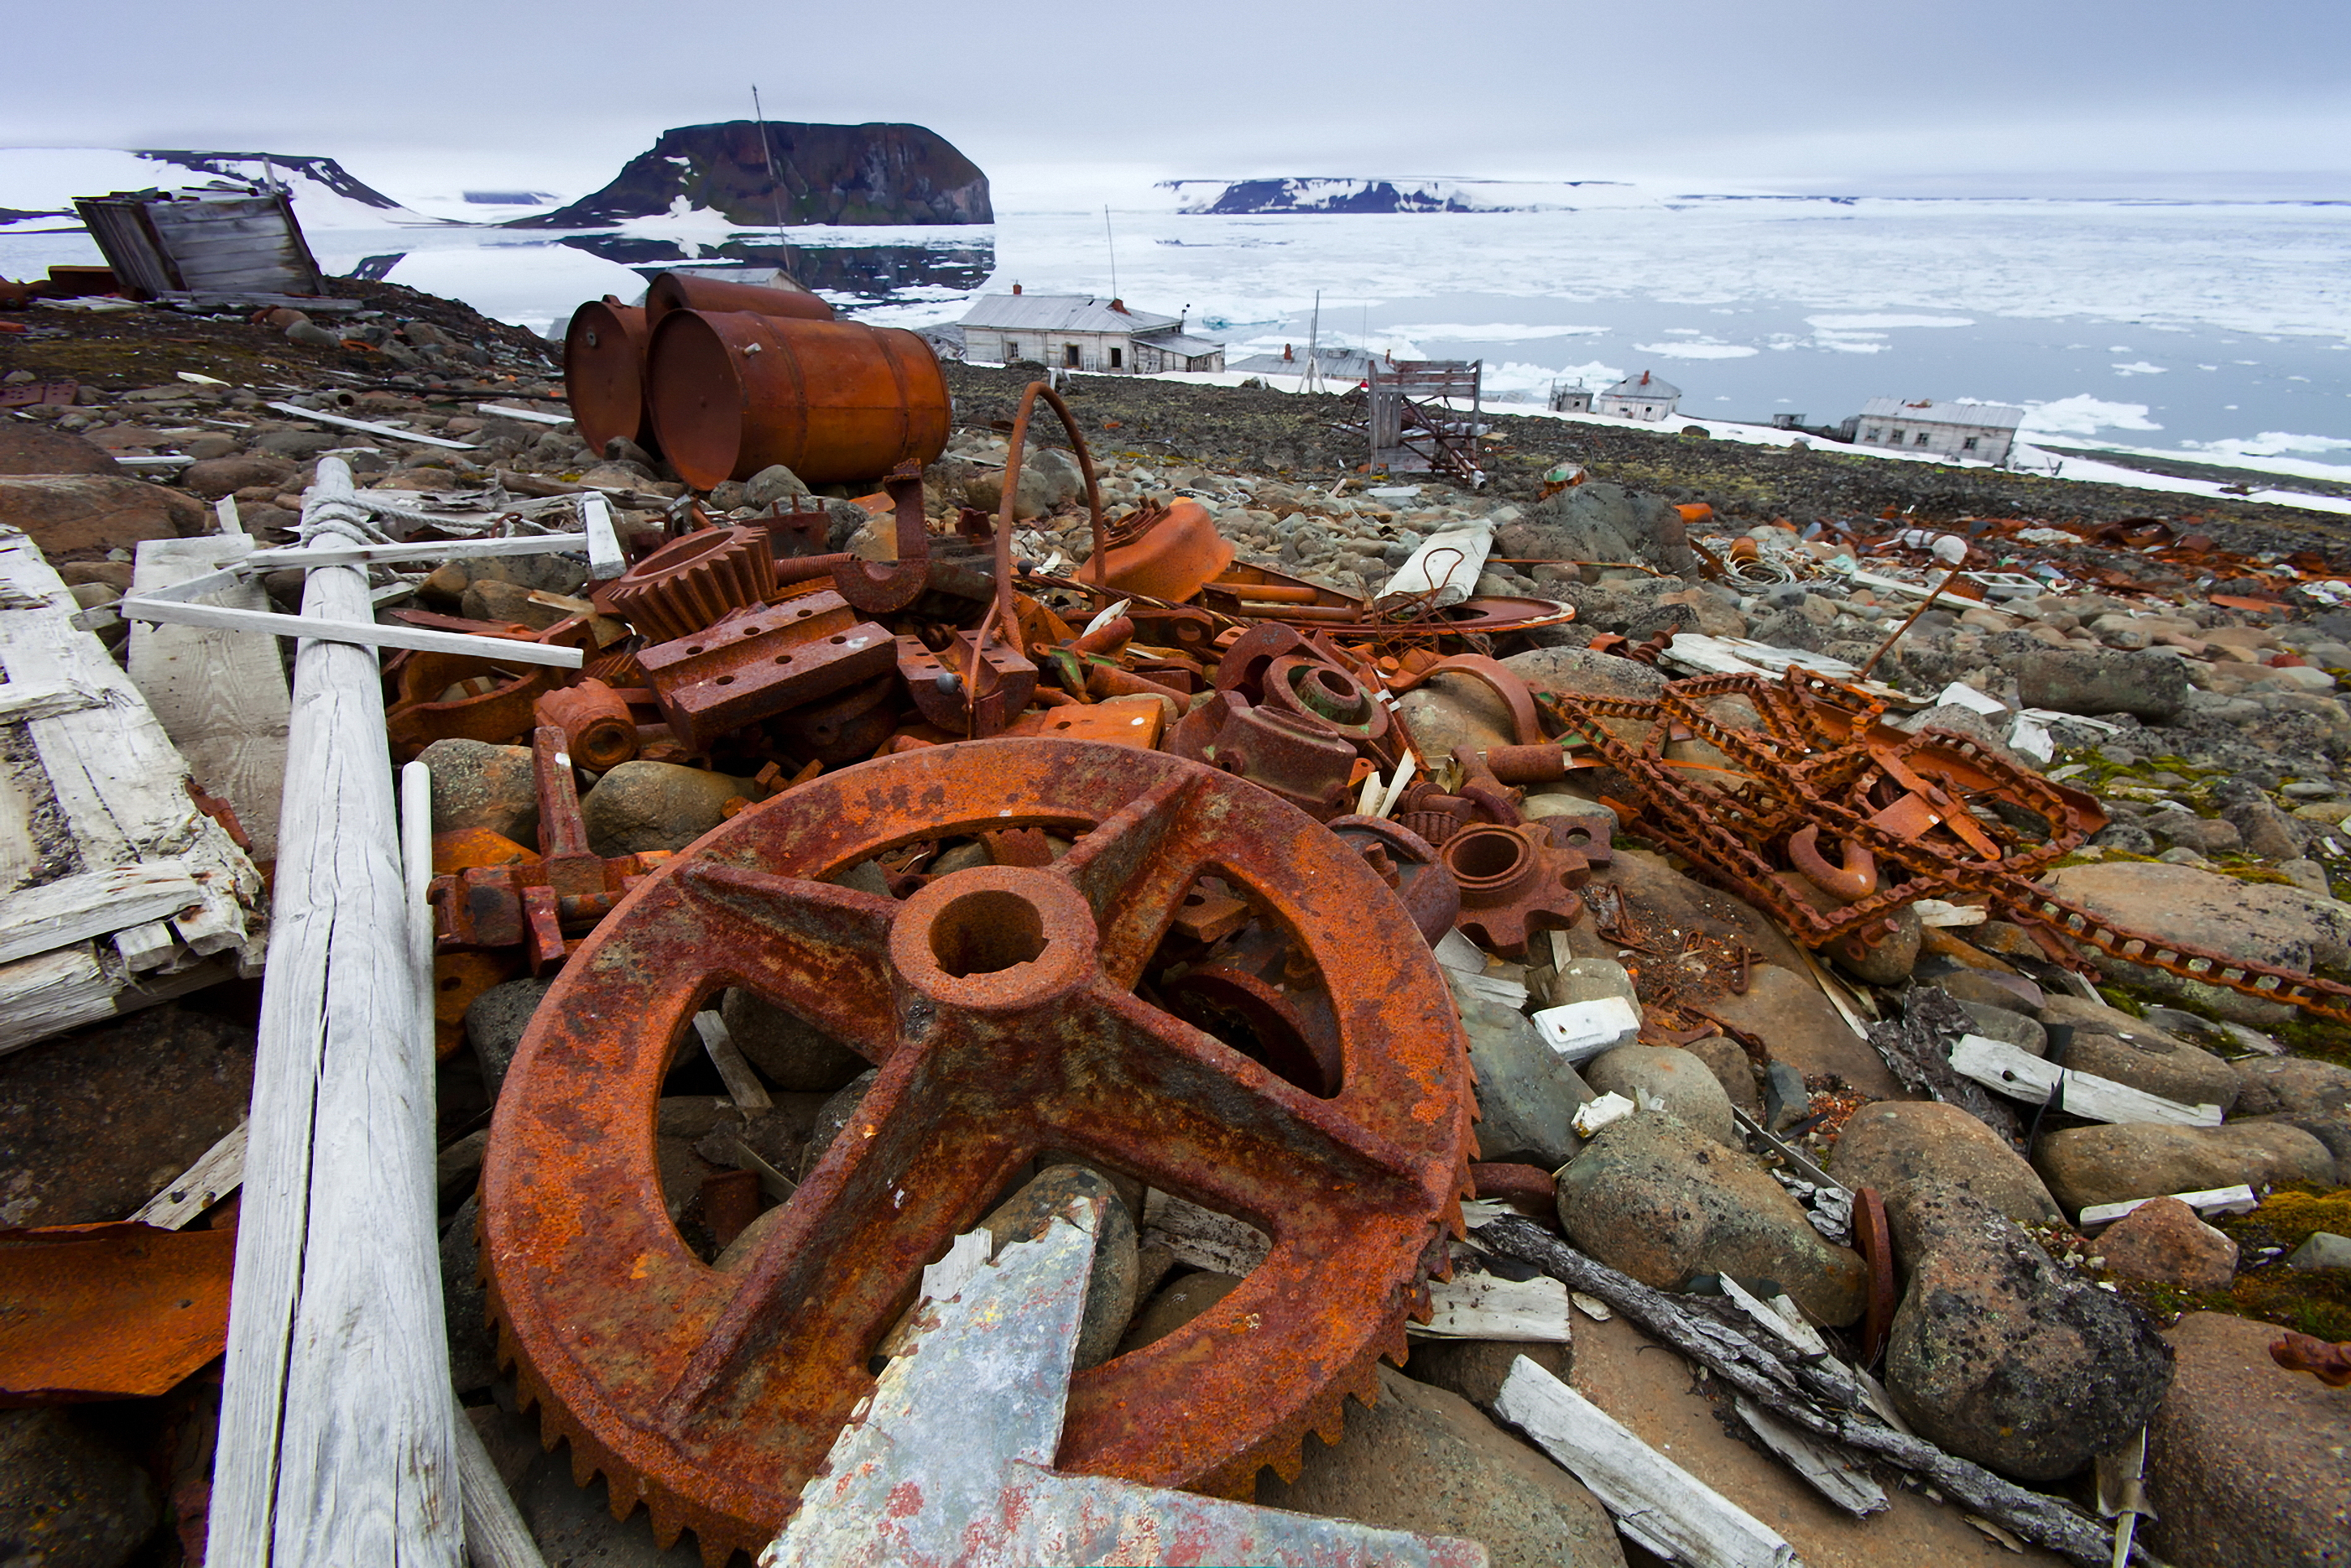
(337, 1446)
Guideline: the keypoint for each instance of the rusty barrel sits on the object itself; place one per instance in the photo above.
(682, 291)
(603, 373)
(733, 392)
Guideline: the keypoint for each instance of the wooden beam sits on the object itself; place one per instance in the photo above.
(349, 628)
(337, 1439)
(417, 549)
(342, 421)
(605, 557)
(496, 1535)
(94, 904)
(2004, 1070)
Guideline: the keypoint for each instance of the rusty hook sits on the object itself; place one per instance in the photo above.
(1857, 880)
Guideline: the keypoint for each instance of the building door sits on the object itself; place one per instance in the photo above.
(1117, 359)
(1070, 355)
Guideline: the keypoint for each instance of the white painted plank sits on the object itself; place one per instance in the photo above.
(1656, 1502)
(341, 422)
(1487, 1306)
(352, 628)
(417, 549)
(337, 1428)
(2005, 1069)
(216, 1174)
(530, 415)
(743, 1085)
(2239, 1200)
(605, 557)
(220, 696)
(94, 904)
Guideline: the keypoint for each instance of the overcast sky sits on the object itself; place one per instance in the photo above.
(1974, 97)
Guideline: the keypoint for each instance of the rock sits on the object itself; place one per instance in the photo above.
(2332, 1128)
(2292, 1085)
(2322, 1249)
(1477, 1368)
(495, 1022)
(507, 603)
(2003, 1357)
(1110, 1290)
(1527, 1093)
(1579, 671)
(40, 449)
(2245, 1459)
(1786, 1101)
(464, 1303)
(641, 806)
(1425, 1459)
(63, 513)
(1178, 1302)
(1912, 1148)
(1048, 478)
(1888, 962)
(2153, 687)
(478, 785)
(2205, 835)
(70, 1498)
(311, 335)
(2111, 1043)
(1662, 1202)
(2164, 1240)
(2008, 1028)
(301, 443)
(95, 1123)
(833, 1116)
(1800, 1028)
(1684, 1084)
(2260, 922)
(2087, 1165)
(1733, 1068)
(793, 1053)
(217, 476)
(1588, 980)
(1453, 710)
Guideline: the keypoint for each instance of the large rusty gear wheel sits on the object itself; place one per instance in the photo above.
(1000, 1005)
(693, 582)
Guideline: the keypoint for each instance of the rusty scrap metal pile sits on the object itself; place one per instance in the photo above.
(1043, 849)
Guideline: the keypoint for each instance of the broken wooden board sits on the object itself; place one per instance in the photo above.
(222, 697)
(2004, 1070)
(1478, 1305)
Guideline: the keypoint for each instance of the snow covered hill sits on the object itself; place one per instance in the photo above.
(38, 184)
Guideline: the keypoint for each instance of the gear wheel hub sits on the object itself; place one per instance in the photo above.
(1007, 1009)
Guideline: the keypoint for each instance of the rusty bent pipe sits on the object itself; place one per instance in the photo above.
(1856, 882)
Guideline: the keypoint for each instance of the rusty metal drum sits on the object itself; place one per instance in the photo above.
(684, 291)
(603, 371)
(733, 392)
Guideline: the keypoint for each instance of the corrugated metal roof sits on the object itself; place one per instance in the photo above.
(1644, 385)
(1060, 313)
(1177, 343)
(1926, 410)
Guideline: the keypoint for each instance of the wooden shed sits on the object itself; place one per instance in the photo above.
(163, 244)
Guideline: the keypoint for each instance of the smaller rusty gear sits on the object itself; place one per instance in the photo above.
(689, 583)
(1514, 882)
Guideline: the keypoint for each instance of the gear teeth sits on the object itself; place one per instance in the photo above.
(691, 583)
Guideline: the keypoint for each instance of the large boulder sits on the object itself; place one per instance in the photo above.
(2152, 686)
(2292, 1085)
(1800, 1028)
(68, 512)
(1424, 1460)
(40, 449)
(2003, 1357)
(213, 477)
(641, 806)
(1663, 1202)
(1600, 521)
(2162, 1239)
(2087, 1165)
(1914, 1148)
(69, 1496)
(1527, 1094)
(1452, 710)
(1688, 1087)
(2258, 922)
(2245, 1459)
(478, 785)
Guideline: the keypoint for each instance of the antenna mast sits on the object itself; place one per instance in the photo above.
(775, 181)
(1312, 380)
(1111, 240)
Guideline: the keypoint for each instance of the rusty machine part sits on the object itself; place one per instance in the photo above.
(1873, 1238)
(733, 393)
(1530, 1189)
(540, 905)
(691, 581)
(1001, 1006)
(2330, 1363)
(1514, 882)
(1409, 865)
(686, 291)
(1509, 688)
(971, 689)
(880, 587)
(598, 731)
(761, 661)
(1298, 756)
(1167, 553)
(604, 374)
(419, 716)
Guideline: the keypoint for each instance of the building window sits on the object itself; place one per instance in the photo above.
(1118, 362)
(1012, 349)
(1875, 435)
(1968, 445)
(1921, 440)
(1897, 437)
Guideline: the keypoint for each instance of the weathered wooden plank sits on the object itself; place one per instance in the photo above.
(2005, 1069)
(355, 628)
(1836, 1475)
(147, 946)
(372, 427)
(417, 549)
(605, 557)
(22, 700)
(70, 987)
(94, 904)
(337, 1442)
(221, 696)
(743, 1085)
(1488, 1306)
(1656, 1503)
(496, 1535)
(218, 1172)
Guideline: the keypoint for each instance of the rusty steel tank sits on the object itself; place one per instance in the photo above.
(603, 372)
(684, 291)
(733, 392)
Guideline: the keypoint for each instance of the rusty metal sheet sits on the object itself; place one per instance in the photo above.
(761, 661)
(110, 1312)
(1000, 1005)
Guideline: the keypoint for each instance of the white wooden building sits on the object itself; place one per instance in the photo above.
(1082, 332)
(1983, 432)
(1644, 396)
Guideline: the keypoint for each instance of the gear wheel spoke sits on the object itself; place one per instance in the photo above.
(809, 947)
(1134, 871)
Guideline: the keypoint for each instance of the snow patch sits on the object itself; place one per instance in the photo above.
(2083, 414)
(1698, 350)
(2141, 368)
(1879, 323)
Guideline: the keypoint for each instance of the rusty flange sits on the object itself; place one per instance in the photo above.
(689, 583)
(1296, 755)
(1514, 882)
(1000, 1005)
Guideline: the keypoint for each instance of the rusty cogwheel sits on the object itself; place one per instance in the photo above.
(1001, 1005)
(690, 582)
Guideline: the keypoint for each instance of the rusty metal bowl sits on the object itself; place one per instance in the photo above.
(682, 291)
(733, 392)
(603, 370)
